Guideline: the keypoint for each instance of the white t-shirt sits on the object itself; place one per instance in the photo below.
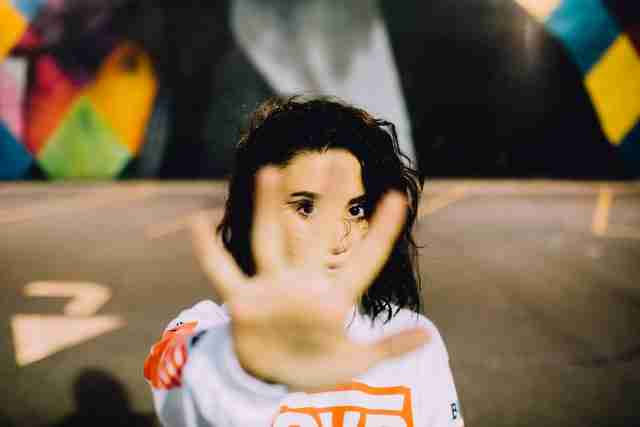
(413, 390)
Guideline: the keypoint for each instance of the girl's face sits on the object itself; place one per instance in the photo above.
(324, 207)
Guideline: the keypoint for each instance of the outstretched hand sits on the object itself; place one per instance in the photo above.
(288, 321)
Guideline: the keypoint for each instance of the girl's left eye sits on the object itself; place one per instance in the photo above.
(357, 211)
(304, 208)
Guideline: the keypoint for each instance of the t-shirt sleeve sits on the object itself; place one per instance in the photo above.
(222, 392)
(215, 390)
(439, 401)
(174, 406)
(201, 316)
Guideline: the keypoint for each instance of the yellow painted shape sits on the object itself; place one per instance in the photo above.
(12, 27)
(540, 9)
(600, 219)
(614, 86)
(123, 93)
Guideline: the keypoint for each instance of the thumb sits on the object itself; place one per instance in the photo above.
(400, 343)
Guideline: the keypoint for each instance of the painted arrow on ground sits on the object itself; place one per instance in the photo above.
(38, 336)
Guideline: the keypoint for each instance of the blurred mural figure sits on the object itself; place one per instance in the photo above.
(102, 401)
(325, 46)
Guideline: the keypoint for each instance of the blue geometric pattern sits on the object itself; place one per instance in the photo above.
(16, 160)
(29, 8)
(630, 151)
(586, 28)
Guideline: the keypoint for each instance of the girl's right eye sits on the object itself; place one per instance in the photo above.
(304, 208)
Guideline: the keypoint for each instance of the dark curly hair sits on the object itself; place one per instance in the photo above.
(281, 128)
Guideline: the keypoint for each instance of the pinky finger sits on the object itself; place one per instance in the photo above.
(399, 344)
(179, 356)
(164, 379)
(174, 375)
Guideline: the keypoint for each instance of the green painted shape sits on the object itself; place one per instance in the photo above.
(83, 146)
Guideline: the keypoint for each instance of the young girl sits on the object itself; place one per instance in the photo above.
(320, 324)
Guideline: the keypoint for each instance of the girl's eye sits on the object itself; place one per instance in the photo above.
(356, 211)
(304, 208)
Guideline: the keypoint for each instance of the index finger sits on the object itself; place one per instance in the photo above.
(372, 253)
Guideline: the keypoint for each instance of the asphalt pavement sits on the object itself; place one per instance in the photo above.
(535, 286)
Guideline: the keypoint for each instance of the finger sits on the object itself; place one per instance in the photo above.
(216, 262)
(267, 240)
(373, 251)
(164, 379)
(315, 259)
(173, 382)
(170, 369)
(179, 356)
(173, 373)
(398, 344)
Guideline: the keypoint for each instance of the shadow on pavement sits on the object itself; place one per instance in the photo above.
(5, 421)
(101, 400)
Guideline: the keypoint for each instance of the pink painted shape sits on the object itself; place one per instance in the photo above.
(50, 97)
(11, 98)
(30, 40)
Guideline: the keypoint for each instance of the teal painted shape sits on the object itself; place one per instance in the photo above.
(29, 8)
(83, 146)
(15, 159)
(629, 149)
(587, 29)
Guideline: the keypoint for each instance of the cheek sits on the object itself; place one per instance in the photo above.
(361, 229)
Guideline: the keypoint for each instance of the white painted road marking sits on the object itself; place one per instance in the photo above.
(86, 297)
(431, 204)
(68, 205)
(38, 336)
(156, 231)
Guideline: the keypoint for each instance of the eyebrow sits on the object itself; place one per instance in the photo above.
(360, 199)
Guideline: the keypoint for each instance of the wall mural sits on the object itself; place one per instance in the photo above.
(130, 88)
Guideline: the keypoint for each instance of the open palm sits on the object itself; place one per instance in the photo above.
(288, 321)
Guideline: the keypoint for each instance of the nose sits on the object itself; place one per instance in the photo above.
(342, 239)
